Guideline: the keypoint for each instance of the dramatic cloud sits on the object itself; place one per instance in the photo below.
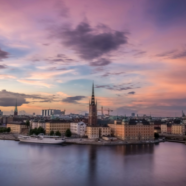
(6, 102)
(112, 74)
(91, 43)
(73, 99)
(9, 98)
(166, 54)
(3, 54)
(100, 62)
(3, 66)
(173, 54)
(59, 58)
(117, 87)
(131, 92)
(179, 55)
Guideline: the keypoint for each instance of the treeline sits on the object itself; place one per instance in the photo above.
(37, 131)
(4, 129)
(40, 130)
(57, 133)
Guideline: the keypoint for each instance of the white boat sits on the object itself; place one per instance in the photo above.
(41, 139)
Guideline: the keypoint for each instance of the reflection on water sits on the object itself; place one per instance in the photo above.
(131, 165)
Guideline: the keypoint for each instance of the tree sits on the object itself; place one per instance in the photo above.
(8, 129)
(51, 133)
(58, 133)
(37, 131)
(40, 130)
(156, 135)
(68, 133)
(27, 123)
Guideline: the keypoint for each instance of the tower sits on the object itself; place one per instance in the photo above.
(92, 121)
(15, 110)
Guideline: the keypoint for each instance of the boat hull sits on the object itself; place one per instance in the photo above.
(42, 141)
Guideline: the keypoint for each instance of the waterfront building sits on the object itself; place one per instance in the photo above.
(105, 131)
(175, 126)
(93, 132)
(38, 123)
(133, 129)
(57, 125)
(50, 112)
(17, 126)
(178, 129)
(78, 128)
(164, 128)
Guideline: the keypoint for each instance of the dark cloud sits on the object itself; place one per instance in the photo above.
(112, 73)
(3, 66)
(179, 55)
(91, 43)
(167, 11)
(3, 55)
(121, 87)
(166, 54)
(173, 54)
(131, 92)
(100, 62)
(59, 58)
(73, 99)
(9, 98)
(7, 102)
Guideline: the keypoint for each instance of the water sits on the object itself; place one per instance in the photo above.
(81, 165)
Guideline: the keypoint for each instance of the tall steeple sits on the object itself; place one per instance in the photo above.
(15, 110)
(92, 109)
(92, 98)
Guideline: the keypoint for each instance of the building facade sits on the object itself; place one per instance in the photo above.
(178, 129)
(164, 128)
(57, 125)
(78, 128)
(133, 130)
(93, 132)
(17, 127)
(105, 131)
(38, 123)
(50, 112)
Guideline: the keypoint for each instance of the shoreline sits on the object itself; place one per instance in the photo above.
(82, 141)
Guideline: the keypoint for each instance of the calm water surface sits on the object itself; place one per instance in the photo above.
(71, 165)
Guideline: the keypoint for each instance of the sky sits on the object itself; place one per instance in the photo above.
(134, 51)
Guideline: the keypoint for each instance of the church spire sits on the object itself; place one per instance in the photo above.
(93, 99)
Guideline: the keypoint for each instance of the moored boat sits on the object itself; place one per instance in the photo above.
(41, 139)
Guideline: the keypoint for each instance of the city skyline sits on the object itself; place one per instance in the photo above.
(51, 52)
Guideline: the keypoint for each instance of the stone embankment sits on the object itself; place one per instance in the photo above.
(103, 142)
(5, 136)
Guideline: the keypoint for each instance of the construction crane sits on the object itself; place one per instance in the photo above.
(102, 111)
